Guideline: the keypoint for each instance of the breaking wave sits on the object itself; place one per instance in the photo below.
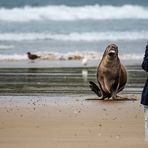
(67, 13)
(4, 47)
(70, 56)
(75, 36)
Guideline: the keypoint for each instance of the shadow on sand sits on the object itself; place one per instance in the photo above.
(119, 98)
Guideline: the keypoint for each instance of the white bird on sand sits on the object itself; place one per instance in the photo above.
(84, 74)
(84, 61)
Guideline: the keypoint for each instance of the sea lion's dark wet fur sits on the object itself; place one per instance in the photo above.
(111, 75)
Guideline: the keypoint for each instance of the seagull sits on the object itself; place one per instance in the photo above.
(32, 56)
(84, 61)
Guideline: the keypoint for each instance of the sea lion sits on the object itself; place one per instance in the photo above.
(32, 56)
(111, 74)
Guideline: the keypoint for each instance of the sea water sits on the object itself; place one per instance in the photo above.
(68, 28)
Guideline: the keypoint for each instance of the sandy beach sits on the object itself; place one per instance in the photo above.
(47, 107)
(43, 121)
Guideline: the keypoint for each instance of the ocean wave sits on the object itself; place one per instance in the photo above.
(14, 57)
(67, 13)
(75, 36)
(70, 56)
(4, 47)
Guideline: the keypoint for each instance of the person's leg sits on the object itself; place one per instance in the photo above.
(146, 122)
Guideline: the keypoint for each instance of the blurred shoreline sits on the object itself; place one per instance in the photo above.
(57, 63)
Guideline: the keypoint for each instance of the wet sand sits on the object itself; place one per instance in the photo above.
(43, 121)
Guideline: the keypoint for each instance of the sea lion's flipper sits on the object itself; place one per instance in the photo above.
(95, 88)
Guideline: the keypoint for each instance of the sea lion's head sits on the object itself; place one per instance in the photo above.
(111, 51)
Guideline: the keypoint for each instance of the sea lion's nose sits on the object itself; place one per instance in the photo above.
(112, 53)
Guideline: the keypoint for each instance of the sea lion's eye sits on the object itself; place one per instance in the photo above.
(108, 48)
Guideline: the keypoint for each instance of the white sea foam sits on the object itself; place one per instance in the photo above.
(132, 56)
(71, 56)
(13, 57)
(75, 36)
(60, 13)
(2, 47)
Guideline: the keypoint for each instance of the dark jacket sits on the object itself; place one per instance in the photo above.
(144, 98)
